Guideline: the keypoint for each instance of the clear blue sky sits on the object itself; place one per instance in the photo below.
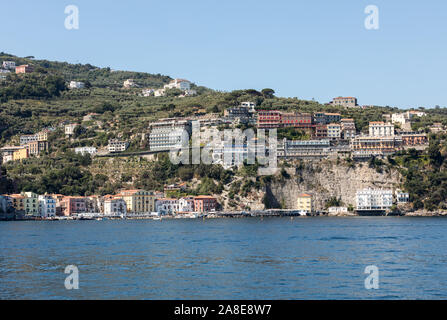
(307, 49)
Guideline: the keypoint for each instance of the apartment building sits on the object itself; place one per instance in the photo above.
(374, 199)
(167, 134)
(20, 154)
(367, 145)
(167, 205)
(334, 131)
(31, 202)
(186, 204)
(411, 139)
(115, 206)
(381, 129)
(36, 147)
(72, 206)
(305, 203)
(86, 150)
(320, 131)
(17, 202)
(402, 197)
(269, 119)
(296, 120)
(347, 102)
(304, 148)
(116, 145)
(25, 139)
(205, 204)
(47, 206)
(348, 129)
(138, 200)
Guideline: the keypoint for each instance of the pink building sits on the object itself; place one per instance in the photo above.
(72, 206)
(204, 204)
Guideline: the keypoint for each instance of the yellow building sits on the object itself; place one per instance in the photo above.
(305, 203)
(138, 200)
(31, 203)
(20, 154)
(18, 201)
(42, 135)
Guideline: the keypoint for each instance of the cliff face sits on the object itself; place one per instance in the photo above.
(324, 179)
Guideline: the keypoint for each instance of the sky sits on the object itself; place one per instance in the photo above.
(316, 49)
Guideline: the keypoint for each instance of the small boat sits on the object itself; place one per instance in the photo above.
(156, 218)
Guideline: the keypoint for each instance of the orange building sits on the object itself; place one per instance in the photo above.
(25, 68)
(205, 203)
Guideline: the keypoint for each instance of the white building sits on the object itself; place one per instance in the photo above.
(115, 207)
(84, 150)
(25, 139)
(374, 199)
(147, 92)
(167, 205)
(381, 129)
(69, 128)
(402, 197)
(9, 65)
(181, 84)
(129, 83)
(76, 85)
(186, 204)
(168, 133)
(334, 211)
(334, 131)
(117, 145)
(159, 93)
(47, 206)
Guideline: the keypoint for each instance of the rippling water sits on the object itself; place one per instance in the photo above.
(275, 258)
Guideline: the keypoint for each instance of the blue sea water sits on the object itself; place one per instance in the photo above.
(272, 258)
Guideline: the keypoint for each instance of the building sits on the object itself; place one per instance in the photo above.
(374, 199)
(76, 85)
(304, 148)
(24, 69)
(147, 92)
(348, 129)
(11, 65)
(129, 83)
(186, 204)
(69, 129)
(334, 131)
(20, 154)
(181, 84)
(375, 146)
(297, 120)
(116, 145)
(381, 129)
(241, 114)
(72, 206)
(36, 147)
(347, 102)
(86, 150)
(159, 93)
(7, 152)
(31, 202)
(411, 139)
(167, 134)
(305, 203)
(25, 139)
(320, 131)
(138, 200)
(402, 197)
(167, 205)
(332, 117)
(335, 211)
(17, 201)
(205, 204)
(269, 119)
(43, 135)
(115, 206)
(47, 206)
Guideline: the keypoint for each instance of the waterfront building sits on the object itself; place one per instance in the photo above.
(115, 206)
(116, 145)
(47, 206)
(31, 203)
(381, 129)
(402, 197)
(5, 205)
(186, 204)
(334, 211)
(374, 199)
(138, 200)
(167, 134)
(17, 202)
(347, 102)
(305, 203)
(167, 205)
(72, 206)
(86, 150)
(205, 204)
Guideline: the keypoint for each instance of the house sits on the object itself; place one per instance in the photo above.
(24, 69)
(167, 205)
(9, 65)
(138, 200)
(159, 93)
(76, 85)
(181, 84)
(129, 83)
(47, 206)
(374, 199)
(115, 206)
(116, 145)
(205, 204)
(347, 102)
(86, 150)
(147, 92)
(305, 203)
(69, 128)
(381, 129)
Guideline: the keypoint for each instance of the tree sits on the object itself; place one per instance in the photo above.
(268, 93)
